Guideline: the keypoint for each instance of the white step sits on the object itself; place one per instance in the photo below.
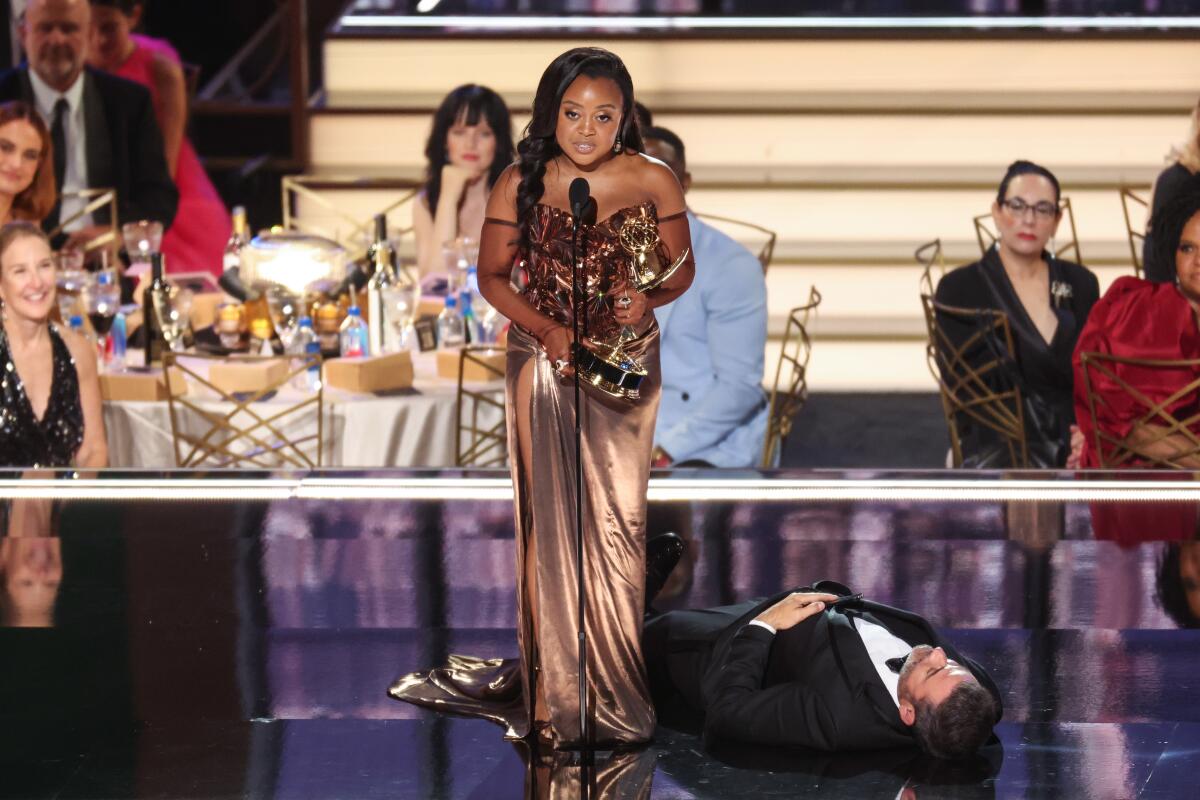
(754, 147)
(1002, 71)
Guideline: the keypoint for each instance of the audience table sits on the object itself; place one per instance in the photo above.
(411, 428)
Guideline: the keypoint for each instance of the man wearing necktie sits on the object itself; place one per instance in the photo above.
(821, 668)
(103, 127)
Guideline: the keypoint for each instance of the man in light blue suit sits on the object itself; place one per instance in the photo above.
(713, 410)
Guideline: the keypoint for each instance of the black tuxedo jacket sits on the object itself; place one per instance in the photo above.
(124, 145)
(810, 686)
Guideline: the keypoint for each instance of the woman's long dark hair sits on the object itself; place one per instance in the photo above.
(469, 103)
(538, 145)
(1168, 224)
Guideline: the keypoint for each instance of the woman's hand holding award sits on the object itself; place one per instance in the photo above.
(605, 365)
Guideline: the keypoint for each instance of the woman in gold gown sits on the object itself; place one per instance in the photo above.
(583, 126)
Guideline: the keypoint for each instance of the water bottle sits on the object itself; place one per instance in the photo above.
(491, 325)
(470, 321)
(450, 331)
(117, 341)
(353, 335)
(306, 345)
(76, 324)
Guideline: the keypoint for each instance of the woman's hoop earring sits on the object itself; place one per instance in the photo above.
(618, 147)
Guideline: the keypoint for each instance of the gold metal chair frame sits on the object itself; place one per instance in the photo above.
(787, 402)
(930, 256)
(1137, 238)
(270, 448)
(1121, 451)
(766, 252)
(474, 444)
(96, 199)
(358, 231)
(964, 388)
(986, 235)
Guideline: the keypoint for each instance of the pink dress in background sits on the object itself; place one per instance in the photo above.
(196, 240)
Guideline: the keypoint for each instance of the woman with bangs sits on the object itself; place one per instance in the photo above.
(469, 145)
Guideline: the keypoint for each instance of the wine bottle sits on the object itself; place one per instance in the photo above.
(382, 278)
(156, 303)
(230, 279)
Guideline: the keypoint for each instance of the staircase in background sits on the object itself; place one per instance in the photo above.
(855, 151)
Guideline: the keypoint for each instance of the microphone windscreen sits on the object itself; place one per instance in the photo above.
(578, 194)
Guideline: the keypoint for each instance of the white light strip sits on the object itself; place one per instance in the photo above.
(681, 23)
(715, 489)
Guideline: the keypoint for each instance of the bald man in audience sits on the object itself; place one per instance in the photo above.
(713, 411)
(103, 127)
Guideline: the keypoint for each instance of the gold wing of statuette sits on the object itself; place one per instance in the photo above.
(662, 277)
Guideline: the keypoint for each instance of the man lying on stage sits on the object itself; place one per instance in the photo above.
(819, 667)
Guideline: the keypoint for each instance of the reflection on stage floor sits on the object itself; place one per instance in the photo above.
(243, 649)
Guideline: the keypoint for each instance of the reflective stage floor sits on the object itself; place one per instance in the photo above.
(241, 647)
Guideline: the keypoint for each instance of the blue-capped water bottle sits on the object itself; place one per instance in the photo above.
(117, 341)
(353, 335)
(306, 345)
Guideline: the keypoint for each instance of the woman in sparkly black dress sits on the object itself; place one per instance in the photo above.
(49, 389)
(583, 125)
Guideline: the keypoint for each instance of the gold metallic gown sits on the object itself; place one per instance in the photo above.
(617, 443)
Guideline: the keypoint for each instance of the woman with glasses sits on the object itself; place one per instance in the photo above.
(1046, 301)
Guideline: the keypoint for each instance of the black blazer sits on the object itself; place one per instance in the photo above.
(810, 686)
(124, 145)
(1044, 371)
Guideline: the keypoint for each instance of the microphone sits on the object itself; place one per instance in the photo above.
(579, 194)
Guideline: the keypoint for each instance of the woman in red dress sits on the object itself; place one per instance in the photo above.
(195, 242)
(1144, 320)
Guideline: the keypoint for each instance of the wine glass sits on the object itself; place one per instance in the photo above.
(177, 319)
(142, 240)
(102, 296)
(70, 278)
(400, 304)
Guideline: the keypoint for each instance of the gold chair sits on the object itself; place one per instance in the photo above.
(789, 393)
(765, 252)
(967, 387)
(479, 442)
(216, 428)
(986, 234)
(94, 200)
(320, 211)
(1135, 206)
(932, 258)
(1153, 418)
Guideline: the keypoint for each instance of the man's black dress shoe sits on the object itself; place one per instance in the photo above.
(662, 554)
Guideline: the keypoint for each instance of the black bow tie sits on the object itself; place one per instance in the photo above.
(896, 664)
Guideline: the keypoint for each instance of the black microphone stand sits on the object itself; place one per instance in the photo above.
(578, 285)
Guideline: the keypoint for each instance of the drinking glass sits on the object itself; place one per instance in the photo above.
(101, 297)
(400, 306)
(142, 240)
(70, 278)
(177, 320)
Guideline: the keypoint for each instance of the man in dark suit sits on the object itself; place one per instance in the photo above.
(824, 669)
(103, 127)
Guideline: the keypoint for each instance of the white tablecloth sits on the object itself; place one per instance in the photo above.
(402, 430)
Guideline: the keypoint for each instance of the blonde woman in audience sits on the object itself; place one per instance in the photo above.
(1146, 320)
(1185, 164)
(26, 164)
(1046, 301)
(469, 146)
(50, 412)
